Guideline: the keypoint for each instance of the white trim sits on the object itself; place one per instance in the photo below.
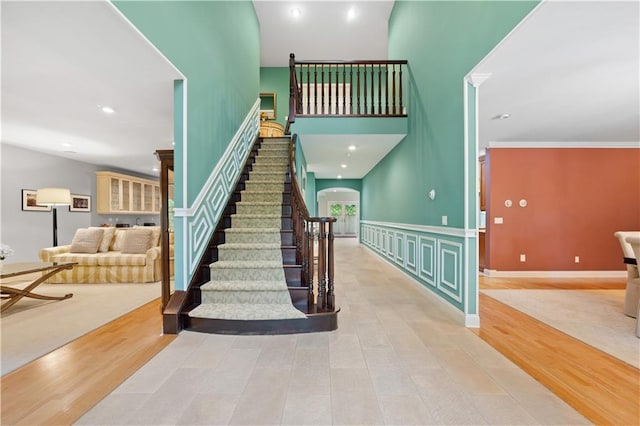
(554, 274)
(472, 321)
(145, 39)
(476, 79)
(504, 39)
(452, 310)
(562, 144)
(454, 232)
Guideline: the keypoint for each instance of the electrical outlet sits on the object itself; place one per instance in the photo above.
(498, 220)
(444, 220)
(523, 258)
(577, 259)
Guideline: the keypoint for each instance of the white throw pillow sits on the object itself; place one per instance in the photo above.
(107, 237)
(86, 240)
(137, 241)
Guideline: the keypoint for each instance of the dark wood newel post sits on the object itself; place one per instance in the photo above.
(330, 295)
(322, 266)
(310, 296)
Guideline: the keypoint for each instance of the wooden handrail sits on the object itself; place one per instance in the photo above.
(362, 88)
(304, 230)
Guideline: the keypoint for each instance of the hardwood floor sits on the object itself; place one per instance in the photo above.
(61, 386)
(601, 387)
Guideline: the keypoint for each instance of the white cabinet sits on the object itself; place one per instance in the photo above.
(123, 194)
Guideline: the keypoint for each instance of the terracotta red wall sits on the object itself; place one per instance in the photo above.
(576, 199)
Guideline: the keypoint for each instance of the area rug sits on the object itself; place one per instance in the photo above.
(32, 328)
(593, 316)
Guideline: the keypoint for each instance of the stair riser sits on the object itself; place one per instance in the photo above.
(293, 276)
(246, 274)
(273, 157)
(243, 209)
(277, 148)
(262, 176)
(249, 254)
(260, 196)
(244, 297)
(255, 222)
(288, 256)
(270, 168)
(250, 238)
(264, 186)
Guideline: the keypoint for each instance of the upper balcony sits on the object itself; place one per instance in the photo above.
(347, 97)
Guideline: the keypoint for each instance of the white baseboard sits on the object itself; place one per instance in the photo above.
(472, 321)
(554, 274)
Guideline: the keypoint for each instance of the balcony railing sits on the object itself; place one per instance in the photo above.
(345, 89)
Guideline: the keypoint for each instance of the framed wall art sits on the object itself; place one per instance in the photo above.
(29, 202)
(80, 203)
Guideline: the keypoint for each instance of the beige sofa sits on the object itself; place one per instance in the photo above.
(632, 294)
(109, 255)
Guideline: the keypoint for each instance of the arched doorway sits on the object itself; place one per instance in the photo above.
(344, 205)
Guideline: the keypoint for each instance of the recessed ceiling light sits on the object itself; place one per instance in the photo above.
(351, 14)
(344, 166)
(66, 144)
(339, 176)
(502, 116)
(295, 12)
(155, 169)
(107, 109)
(352, 147)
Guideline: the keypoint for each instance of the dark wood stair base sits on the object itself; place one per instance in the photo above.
(315, 322)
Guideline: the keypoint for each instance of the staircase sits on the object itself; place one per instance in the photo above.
(254, 277)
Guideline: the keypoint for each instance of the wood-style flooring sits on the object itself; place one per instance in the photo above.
(61, 386)
(602, 388)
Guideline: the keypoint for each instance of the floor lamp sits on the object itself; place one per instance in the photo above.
(53, 197)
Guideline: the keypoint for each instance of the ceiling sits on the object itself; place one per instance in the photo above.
(61, 63)
(571, 65)
(568, 74)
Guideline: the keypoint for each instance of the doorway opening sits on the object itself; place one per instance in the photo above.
(344, 205)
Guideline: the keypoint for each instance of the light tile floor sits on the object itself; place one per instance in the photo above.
(399, 357)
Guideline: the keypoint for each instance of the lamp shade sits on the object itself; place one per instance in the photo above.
(53, 197)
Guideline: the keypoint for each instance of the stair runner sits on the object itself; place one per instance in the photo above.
(248, 282)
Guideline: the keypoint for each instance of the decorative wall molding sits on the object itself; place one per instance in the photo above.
(454, 232)
(434, 259)
(203, 216)
(562, 144)
(450, 269)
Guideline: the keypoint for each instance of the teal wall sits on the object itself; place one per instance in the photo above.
(276, 79)
(216, 45)
(442, 42)
(311, 195)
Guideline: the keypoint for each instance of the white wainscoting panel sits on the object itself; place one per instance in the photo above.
(434, 259)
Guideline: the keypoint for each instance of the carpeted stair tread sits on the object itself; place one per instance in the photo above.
(255, 216)
(260, 203)
(255, 311)
(246, 264)
(252, 230)
(244, 286)
(245, 246)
